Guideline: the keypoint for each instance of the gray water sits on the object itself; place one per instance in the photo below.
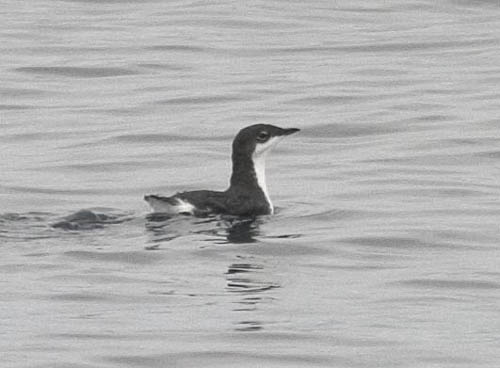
(384, 248)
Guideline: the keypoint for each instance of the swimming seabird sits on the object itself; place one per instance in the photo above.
(247, 194)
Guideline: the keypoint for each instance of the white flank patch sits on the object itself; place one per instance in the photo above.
(167, 208)
(184, 207)
(259, 164)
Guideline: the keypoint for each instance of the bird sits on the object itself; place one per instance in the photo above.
(247, 194)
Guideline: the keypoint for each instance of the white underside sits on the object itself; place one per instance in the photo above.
(167, 208)
(259, 164)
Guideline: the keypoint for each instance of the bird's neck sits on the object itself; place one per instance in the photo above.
(249, 174)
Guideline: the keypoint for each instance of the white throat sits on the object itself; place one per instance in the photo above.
(259, 165)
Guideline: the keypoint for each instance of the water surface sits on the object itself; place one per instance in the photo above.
(384, 248)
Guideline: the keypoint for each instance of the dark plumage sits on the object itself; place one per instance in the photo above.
(247, 193)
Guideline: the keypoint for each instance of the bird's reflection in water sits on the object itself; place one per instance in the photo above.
(220, 229)
(242, 231)
(249, 280)
(246, 279)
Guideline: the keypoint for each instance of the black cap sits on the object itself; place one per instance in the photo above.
(249, 137)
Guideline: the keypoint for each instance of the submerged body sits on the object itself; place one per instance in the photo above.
(247, 194)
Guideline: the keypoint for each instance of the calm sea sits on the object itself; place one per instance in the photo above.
(384, 251)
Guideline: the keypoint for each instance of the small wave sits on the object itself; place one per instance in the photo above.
(15, 107)
(20, 227)
(109, 166)
(21, 92)
(451, 284)
(387, 47)
(89, 220)
(251, 24)
(161, 138)
(59, 191)
(351, 130)
(327, 100)
(200, 100)
(397, 242)
(130, 257)
(362, 48)
(29, 216)
(79, 72)
(219, 358)
(159, 66)
(184, 48)
(38, 136)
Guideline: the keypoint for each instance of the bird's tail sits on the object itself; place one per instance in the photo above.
(169, 205)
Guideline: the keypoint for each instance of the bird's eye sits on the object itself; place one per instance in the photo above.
(263, 136)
